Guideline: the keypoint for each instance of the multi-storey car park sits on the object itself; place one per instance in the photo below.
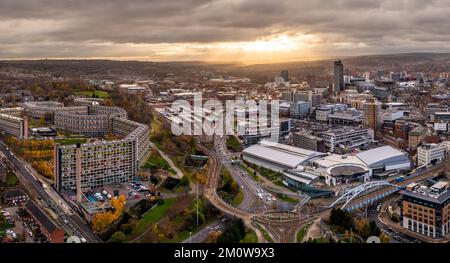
(90, 165)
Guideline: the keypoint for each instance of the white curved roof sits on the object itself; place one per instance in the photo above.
(381, 154)
(281, 154)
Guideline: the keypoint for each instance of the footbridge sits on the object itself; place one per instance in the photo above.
(369, 190)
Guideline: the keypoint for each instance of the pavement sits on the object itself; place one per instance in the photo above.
(72, 223)
(179, 173)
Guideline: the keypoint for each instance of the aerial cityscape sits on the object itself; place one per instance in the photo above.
(224, 122)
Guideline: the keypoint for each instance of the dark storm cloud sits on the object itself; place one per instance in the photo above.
(34, 28)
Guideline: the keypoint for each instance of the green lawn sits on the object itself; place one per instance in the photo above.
(11, 179)
(239, 198)
(155, 161)
(250, 237)
(301, 234)
(69, 141)
(152, 216)
(233, 143)
(265, 234)
(269, 174)
(93, 94)
(249, 171)
(287, 198)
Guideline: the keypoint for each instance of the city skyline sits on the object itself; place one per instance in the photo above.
(230, 31)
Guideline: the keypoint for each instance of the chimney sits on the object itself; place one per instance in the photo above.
(78, 171)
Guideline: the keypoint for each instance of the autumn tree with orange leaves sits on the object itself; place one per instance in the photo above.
(102, 220)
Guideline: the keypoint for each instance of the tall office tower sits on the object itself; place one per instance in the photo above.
(372, 113)
(285, 75)
(338, 76)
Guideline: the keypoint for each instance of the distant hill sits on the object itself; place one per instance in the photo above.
(420, 62)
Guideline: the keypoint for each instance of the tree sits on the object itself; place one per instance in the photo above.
(374, 229)
(184, 180)
(341, 218)
(384, 238)
(212, 237)
(233, 233)
(118, 237)
(102, 220)
(363, 227)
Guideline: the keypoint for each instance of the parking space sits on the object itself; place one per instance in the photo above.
(22, 227)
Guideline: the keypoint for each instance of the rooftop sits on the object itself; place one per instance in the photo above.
(428, 195)
(40, 216)
(379, 154)
(281, 154)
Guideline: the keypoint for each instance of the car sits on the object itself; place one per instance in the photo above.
(65, 221)
(83, 240)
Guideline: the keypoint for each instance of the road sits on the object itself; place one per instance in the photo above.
(248, 184)
(246, 188)
(372, 215)
(72, 223)
(201, 235)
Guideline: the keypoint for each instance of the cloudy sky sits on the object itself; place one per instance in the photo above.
(249, 31)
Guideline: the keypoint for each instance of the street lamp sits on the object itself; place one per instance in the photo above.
(190, 237)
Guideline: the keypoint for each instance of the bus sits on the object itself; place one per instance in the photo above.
(399, 179)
